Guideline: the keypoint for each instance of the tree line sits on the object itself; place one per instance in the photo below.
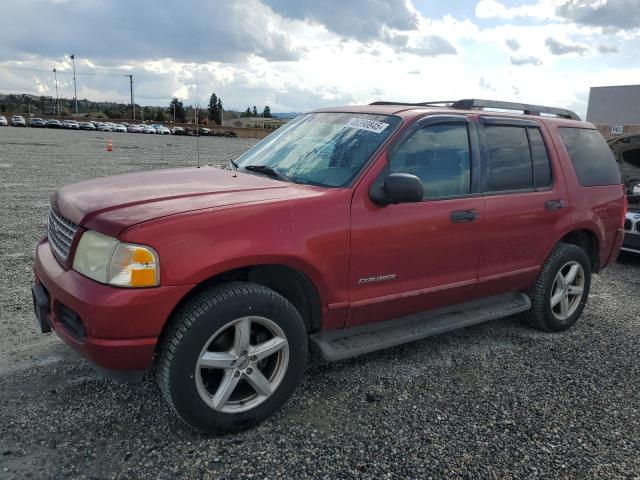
(253, 112)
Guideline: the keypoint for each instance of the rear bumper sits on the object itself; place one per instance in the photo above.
(115, 328)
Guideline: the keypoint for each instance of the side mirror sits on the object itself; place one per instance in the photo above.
(402, 188)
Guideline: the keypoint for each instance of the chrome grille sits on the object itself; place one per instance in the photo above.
(61, 233)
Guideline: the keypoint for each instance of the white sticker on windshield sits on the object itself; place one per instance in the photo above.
(368, 125)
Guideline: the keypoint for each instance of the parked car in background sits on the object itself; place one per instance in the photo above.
(178, 131)
(135, 129)
(119, 128)
(205, 132)
(347, 231)
(105, 127)
(87, 126)
(3, 121)
(70, 124)
(37, 123)
(163, 130)
(149, 129)
(631, 242)
(18, 121)
(53, 123)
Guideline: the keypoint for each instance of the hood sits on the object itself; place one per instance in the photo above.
(111, 204)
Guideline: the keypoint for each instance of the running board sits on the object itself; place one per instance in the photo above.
(340, 344)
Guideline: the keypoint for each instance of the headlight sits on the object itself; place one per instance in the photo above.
(106, 260)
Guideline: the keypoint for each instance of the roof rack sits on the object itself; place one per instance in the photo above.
(477, 104)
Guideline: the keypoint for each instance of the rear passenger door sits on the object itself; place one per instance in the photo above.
(525, 198)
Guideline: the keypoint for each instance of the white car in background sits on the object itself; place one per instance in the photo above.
(149, 129)
(18, 121)
(163, 130)
(134, 129)
(3, 121)
(105, 127)
(119, 128)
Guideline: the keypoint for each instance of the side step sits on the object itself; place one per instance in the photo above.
(340, 344)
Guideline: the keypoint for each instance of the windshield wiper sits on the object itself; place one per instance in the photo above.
(267, 170)
(233, 163)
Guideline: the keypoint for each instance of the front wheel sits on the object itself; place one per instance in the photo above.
(232, 357)
(561, 290)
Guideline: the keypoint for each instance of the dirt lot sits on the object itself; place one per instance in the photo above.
(495, 400)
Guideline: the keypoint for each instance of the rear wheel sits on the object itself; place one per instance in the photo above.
(561, 290)
(232, 357)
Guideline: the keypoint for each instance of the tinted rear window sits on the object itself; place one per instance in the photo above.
(591, 157)
(509, 162)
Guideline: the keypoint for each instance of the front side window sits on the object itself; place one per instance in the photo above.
(439, 156)
(325, 149)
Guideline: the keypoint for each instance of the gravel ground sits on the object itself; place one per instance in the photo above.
(497, 400)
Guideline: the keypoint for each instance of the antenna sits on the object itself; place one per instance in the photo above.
(197, 121)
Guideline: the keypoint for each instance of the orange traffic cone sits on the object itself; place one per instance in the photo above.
(109, 145)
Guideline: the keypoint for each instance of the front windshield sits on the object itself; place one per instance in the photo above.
(325, 149)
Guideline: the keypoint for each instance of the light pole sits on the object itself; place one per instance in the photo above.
(55, 74)
(174, 113)
(133, 107)
(75, 89)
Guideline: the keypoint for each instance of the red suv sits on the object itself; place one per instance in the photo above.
(346, 231)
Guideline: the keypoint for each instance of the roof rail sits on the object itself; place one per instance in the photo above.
(477, 104)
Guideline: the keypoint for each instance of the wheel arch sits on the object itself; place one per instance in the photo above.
(291, 283)
(588, 241)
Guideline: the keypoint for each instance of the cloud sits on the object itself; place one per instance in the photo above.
(531, 60)
(605, 49)
(495, 9)
(610, 14)
(431, 46)
(359, 19)
(512, 43)
(556, 47)
(127, 30)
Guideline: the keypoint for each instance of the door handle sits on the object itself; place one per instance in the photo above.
(463, 216)
(554, 205)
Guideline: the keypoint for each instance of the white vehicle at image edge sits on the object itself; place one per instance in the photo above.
(3, 121)
(631, 242)
(18, 121)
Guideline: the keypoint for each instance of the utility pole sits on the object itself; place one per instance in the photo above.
(55, 74)
(75, 89)
(174, 113)
(133, 106)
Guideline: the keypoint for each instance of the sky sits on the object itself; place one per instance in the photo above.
(298, 55)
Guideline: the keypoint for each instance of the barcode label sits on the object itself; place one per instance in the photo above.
(368, 125)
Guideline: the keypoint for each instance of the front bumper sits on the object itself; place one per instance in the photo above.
(631, 242)
(117, 328)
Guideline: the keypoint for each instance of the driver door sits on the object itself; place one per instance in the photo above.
(411, 257)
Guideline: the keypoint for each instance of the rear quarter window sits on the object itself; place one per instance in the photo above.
(592, 158)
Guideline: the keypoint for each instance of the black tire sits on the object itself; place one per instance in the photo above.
(191, 327)
(541, 316)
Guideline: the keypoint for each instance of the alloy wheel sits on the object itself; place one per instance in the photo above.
(242, 364)
(567, 290)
